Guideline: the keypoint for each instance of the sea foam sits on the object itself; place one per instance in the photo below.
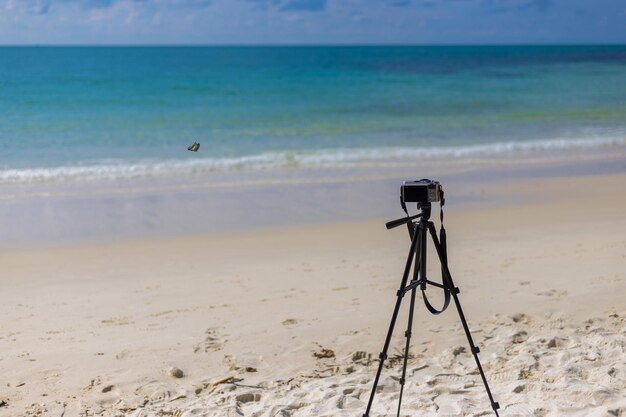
(137, 168)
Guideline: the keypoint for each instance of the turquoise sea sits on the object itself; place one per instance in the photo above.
(78, 113)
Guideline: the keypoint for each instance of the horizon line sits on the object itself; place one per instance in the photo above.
(356, 44)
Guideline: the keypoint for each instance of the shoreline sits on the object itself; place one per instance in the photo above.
(372, 158)
(116, 170)
(217, 203)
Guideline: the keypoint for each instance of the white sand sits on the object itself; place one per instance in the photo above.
(95, 329)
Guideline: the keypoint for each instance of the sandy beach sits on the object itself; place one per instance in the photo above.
(288, 319)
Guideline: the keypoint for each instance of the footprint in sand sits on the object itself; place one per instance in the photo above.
(347, 402)
(447, 378)
(362, 358)
(506, 376)
(519, 409)
(158, 393)
(125, 354)
(290, 322)
(555, 323)
(212, 342)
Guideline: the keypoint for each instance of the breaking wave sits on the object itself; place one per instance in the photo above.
(119, 169)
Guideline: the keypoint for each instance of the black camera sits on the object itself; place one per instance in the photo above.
(422, 191)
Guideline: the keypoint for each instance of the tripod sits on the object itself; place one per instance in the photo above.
(417, 254)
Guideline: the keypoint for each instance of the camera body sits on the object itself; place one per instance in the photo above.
(422, 191)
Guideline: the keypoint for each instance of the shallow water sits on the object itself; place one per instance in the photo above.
(121, 112)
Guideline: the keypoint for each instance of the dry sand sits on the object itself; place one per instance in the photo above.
(286, 322)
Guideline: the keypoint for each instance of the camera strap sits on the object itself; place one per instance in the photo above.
(445, 272)
(442, 232)
(403, 205)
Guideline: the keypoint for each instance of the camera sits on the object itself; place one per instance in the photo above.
(422, 191)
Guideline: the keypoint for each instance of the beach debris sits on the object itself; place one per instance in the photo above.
(194, 147)
(3, 403)
(251, 369)
(213, 385)
(324, 353)
(176, 372)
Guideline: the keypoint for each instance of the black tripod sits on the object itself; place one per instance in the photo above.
(417, 252)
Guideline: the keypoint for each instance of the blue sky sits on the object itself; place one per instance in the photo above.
(311, 21)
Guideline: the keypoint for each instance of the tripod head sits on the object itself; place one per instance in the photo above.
(425, 207)
(424, 215)
(399, 222)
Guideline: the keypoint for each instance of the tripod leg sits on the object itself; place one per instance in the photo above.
(417, 271)
(394, 316)
(447, 281)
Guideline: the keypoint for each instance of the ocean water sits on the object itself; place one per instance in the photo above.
(83, 113)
